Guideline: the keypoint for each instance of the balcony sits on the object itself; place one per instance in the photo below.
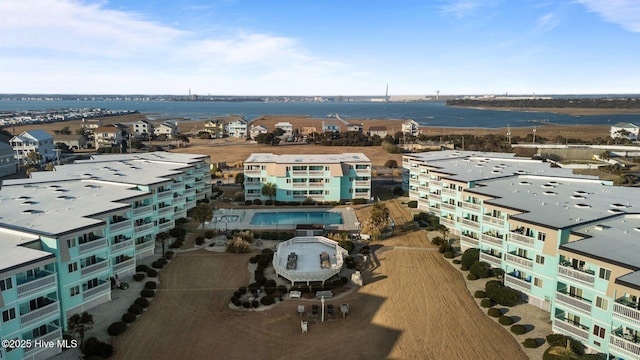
(123, 265)
(92, 245)
(142, 228)
(40, 351)
(575, 274)
(180, 213)
(566, 326)
(520, 238)
(43, 313)
(624, 345)
(492, 240)
(515, 282)
(101, 289)
(493, 260)
(45, 280)
(363, 171)
(188, 178)
(121, 225)
(122, 245)
(469, 240)
(142, 210)
(364, 183)
(165, 210)
(471, 223)
(316, 184)
(471, 206)
(487, 219)
(448, 207)
(145, 246)
(94, 268)
(165, 194)
(434, 196)
(299, 184)
(574, 302)
(166, 226)
(449, 192)
(299, 172)
(316, 172)
(448, 222)
(518, 260)
(252, 171)
(435, 210)
(627, 310)
(189, 192)
(435, 184)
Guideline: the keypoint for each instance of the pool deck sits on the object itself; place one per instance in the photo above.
(349, 219)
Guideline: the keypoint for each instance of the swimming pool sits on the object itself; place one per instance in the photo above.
(295, 218)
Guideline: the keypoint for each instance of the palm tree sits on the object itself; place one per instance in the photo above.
(391, 164)
(270, 190)
(80, 324)
(203, 212)
(378, 219)
(162, 237)
(33, 158)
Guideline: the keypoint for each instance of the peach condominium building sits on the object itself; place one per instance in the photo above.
(65, 234)
(569, 243)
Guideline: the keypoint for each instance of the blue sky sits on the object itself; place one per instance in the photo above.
(236, 47)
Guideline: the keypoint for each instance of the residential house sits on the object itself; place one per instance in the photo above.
(8, 162)
(625, 130)
(108, 136)
(307, 130)
(355, 127)
(72, 141)
(143, 128)
(257, 130)
(215, 127)
(168, 129)
(286, 127)
(38, 141)
(236, 128)
(411, 127)
(378, 130)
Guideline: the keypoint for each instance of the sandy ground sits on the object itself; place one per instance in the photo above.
(395, 315)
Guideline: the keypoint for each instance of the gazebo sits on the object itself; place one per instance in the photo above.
(308, 259)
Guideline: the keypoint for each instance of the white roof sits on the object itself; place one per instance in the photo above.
(307, 158)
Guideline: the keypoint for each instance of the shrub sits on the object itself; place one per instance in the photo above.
(480, 269)
(129, 317)
(456, 261)
(530, 343)
(257, 202)
(117, 328)
(139, 276)
(177, 232)
(147, 293)
(151, 285)
(242, 290)
(518, 329)
(448, 254)
(471, 276)
(282, 289)
(463, 268)
(142, 302)
(347, 245)
(469, 257)
(168, 255)
(162, 261)
(96, 348)
(135, 309)
(157, 265)
(443, 248)
(486, 303)
(561, 340)
(255, 304)
(209, 234)
(267, 300)
(246, 304)
(268, 202)
(236, 302)
(505, 320)
(248, 202)
(152, 273)
(493, 312)
(497, 272)
(413, 204)
(238, 246)
(253, 287)
(502, 295)
(437, 241)
(479, 294)
(199, 240)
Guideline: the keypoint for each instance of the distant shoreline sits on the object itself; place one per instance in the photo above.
(564, 111)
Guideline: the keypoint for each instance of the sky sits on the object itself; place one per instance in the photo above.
(320, 47)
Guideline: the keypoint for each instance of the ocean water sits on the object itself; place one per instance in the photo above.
(427, 114)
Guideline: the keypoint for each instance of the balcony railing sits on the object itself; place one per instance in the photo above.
(299, 172)
(434, 196)
(92, 245)
(253, 171)
(33, 349)
(316, 184)
(469, 240)
(166, 226)
(490, 239)
(179, 214)
(316, 172)
(367, 170)
(449, 222)
(142, 228)
(448, 207)
(487, 219)
(435, 210)
(512, 281)
(121, 225)
(122, 245)
(626, 312)
(490, 259)
(625, 345)
(37, 284)
(142, 210)
(517, 260)
(449, 192)
(165, 210)
(165, 194)
(99, 266)
(123, 265)
(190, 192)
(98, 290)
(471, 223)
(471, 206)
(522, 239)
(192, 177)
(566, 326)
(40, 314)
(575, 274)
(574, 302)
(145, 246)
(362, 183)
(299, 184)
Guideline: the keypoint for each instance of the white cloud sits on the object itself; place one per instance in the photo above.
(625, 13)
(547, 22)
(460, 8)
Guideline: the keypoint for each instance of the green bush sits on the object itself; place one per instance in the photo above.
(486, 303)
(469, 257)
(448, 254)
(413, 204)
(437, 241)
(464, 268)
(94, 348)
(479, 294)
(157, 265)
(267, 300)
(347, 245)
(255, 304)
(480, 269)
(246, 304)
(518, 329)
(135, 309)
(151, 285)
(142, 302)
(168, 255)
(117, 328)
(152, 273)
(493, 312)
(501, 294)
(471, 276)
(163, 261)
(456, 261)
(530, 343)
(444, 247)
(129, 317)
(139, 276)
(199, 240)
(497, 272)
(505, 320)
(147, 293)
(561, 340)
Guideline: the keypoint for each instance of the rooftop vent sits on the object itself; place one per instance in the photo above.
(577, 197)
(583, 206)
(65, 197)
(29, 202)
(618, 206)
(524, 183)
(29, 211)
(548, 186)
(23, 197)
(550, 193)
(602, 227)
(615, 211)
(580, 192)
(637, 229)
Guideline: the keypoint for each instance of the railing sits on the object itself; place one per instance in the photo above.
(362, 183)
(367, 170)
(316, 172)
(190, 192)
(471, 206)
(40, 314)
(626, 313)
(122, 245)
(434, 196)
(99, 266)
(574, 329)
(36, 284)
(517, 260)
(414, 180)
(166, 226)
(469, 240)
(180, 214)
(512, 281)
(142, 228)
(435, 184)
(142, 210)
(316, 184)
(192, 177)
(123, 265)
(575, 302)
(450, 192)
(522, 239)
(165, 194)
(102, 288)
(423, 187)
(165, 210)
(471, 223)
(626, 347)
(299, 172)
(299, 184)
(249, 172)
(491, 259)
(487, 219)
(448, 207)
(575, 274)
(445, 221)
(435, 210)
(145, 246)
(120, 225)
(44, 339)
(92, 245)
(494, 240)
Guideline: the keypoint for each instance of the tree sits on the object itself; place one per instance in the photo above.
(203, 212)
(162, 237)
(378, 219)
(49, 167)
(443, 230)
(182, 138)
(239, 179)
(80, 324)
(277, 132)
(270, 190)
(33, 158)
(391, 164)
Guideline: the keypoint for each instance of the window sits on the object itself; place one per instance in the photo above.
(542, 236)
(74, 291)
(288, 181)
(71, 243)
(6, 284)
(73, 267)
(537, 282)
(604, 274)
(602, 303)
(326, 192)
(599, 331)
(540, 259)
(8, 315)
(326, 181)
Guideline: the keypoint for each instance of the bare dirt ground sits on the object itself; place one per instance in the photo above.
(413, 305)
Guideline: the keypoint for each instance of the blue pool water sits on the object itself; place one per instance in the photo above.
(295, 218)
